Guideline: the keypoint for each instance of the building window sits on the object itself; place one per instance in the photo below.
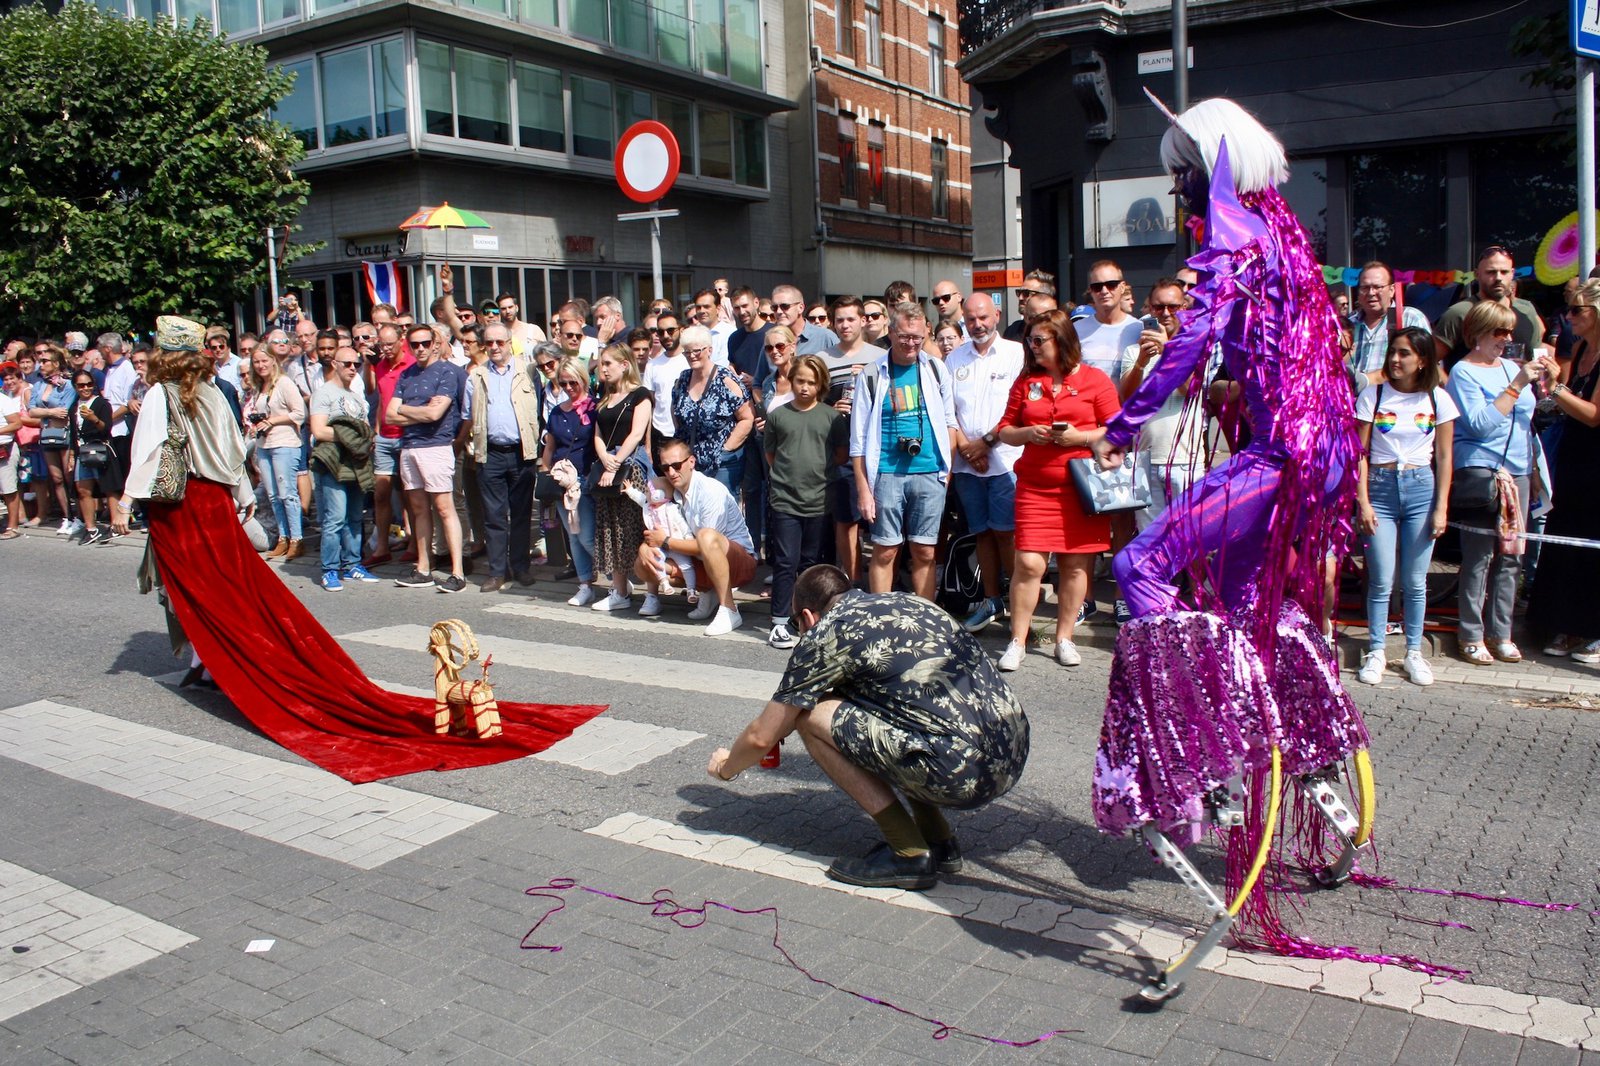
(877, 165)
(298, 110)
(844, 29)
(630, 25)
(744, 43)
(674, 32)
(711, 20)
(935, 55)
(1397, 202)
(541, 117)
(346, 99)
(483, 97)
(872, 30)
(389, 88)
(633, 105)
(541, 11)
(750, 151)
(848, 162)
(233, 16)
(716, 144)
(940, 168)
(592, 132)
(438, 101)
(588, 18)
(678, 116)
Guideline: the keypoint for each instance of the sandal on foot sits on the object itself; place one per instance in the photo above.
(1506, 651)
(1477, 654)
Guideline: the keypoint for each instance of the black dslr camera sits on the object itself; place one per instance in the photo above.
(912, 446)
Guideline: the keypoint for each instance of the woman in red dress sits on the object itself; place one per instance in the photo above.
(1056, 410)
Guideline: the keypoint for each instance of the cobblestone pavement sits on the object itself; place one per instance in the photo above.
(153, 837)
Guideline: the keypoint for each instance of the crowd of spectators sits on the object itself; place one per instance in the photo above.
(886, 435)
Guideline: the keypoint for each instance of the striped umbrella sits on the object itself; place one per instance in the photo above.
(446, 218)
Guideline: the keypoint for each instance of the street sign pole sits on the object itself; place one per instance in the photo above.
(1586, 176)
(654, 217)
(1585, 39)
(272, 269)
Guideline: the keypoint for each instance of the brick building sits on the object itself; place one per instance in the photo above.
(890, 146)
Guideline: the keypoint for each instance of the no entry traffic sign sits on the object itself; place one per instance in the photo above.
(646, 161)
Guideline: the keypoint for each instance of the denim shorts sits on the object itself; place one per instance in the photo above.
(910, 507)
(989, 502)
(385, 455)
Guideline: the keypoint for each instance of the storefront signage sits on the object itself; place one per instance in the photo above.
(1158, 62)
(375, 247)
(577, 245)
(485, 242)
(997, 279)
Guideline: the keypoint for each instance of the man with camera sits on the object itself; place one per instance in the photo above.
(901, 417)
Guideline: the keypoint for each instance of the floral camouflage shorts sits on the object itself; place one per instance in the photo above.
(945, 771)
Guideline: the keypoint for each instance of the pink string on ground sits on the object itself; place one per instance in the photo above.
(663, 905)
(1366, 880)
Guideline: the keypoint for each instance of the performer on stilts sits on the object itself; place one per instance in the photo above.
(1218, 693)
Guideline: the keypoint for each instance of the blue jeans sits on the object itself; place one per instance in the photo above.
(340, 505)
(278, 469)
(582, 545)
(1403, 502)
(796, 544)
(731, 472)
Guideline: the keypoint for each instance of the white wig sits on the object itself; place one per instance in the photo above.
(1255, 155)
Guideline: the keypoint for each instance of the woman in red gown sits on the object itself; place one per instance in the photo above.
(1056, 410)
(264, 650)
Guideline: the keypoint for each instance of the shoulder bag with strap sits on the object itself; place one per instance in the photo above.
(591, 481)
(172, 466)
(1473, 489)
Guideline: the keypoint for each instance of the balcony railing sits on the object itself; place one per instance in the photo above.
(982, 21)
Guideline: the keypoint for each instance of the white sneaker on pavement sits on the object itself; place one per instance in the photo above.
(583, 597)
(1418, 672)
(1067, 653)
(726, 621)
(1372, 664)
(707, 607)
(1011, 658)
(614, 601)
(651, 605)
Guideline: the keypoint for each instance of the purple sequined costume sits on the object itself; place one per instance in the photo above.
(1201, 689)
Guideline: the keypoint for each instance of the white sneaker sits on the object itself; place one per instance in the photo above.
(651, 606)
(707, 607)
(1067, 653)
(1372, 664)
(65, 528)
(614, 601)
(583, 597)
(1011, 658)
(75, 528)
(726, 621)
(781, 636)
(1418, 672)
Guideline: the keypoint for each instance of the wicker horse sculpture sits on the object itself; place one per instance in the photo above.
(465, 708)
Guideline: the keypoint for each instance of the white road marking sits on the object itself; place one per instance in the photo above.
(55, 939)
(289, 803)
(672, 623)
(1479, 1006)
(595, 664)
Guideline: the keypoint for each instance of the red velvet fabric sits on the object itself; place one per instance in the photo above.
(285, 673)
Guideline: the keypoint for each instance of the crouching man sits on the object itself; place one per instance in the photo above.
(891, 696)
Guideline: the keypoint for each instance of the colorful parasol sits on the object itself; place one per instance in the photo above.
(1556, 262)
(446, 218)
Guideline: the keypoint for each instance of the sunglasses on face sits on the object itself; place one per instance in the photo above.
(673, 468)
(551, 365)
(419, 342)
(769, 315)
(946, 298)
(570, 383)
(779, 347)
(572, 336)
(218, 346)
(496, 342)
(351, 363)
(1170, 308)
(83, 384)
(365, 337)
(783, 307)
(873, 316)
(669, 329)
(1039, 339)
(1575, 309)
(1101, 286)
(1501, 334)
(1023, 294)
(817, 320)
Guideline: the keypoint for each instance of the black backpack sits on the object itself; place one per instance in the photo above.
(960, 584)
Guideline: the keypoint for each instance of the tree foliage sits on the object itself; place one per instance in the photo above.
(139, 169)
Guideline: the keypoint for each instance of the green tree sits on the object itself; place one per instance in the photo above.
(139, 169)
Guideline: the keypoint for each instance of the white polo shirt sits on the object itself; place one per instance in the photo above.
(980, 385)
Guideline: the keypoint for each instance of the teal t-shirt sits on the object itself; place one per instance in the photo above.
(906, 415)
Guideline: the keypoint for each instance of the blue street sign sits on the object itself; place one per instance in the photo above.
(1586, 28)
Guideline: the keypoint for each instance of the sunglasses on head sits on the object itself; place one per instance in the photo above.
(1101, 286)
